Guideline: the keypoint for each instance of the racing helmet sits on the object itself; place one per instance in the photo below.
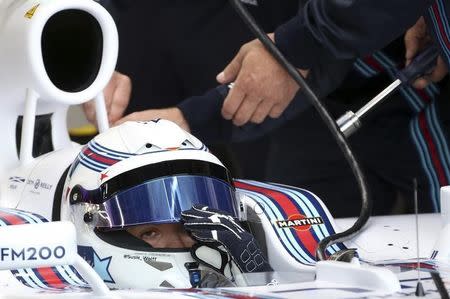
(141, 173)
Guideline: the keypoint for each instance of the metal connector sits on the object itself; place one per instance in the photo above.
(348, 123)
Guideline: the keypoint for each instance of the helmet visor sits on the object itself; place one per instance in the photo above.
(162, 201)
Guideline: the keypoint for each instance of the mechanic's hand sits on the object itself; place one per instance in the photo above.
(173, 114)
(219, 231)
(117, 96)
(416, 40)
(261, 86)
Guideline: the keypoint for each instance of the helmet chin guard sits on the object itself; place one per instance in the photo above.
(134, 174)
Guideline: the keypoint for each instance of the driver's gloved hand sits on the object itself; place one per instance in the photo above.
(222, 243)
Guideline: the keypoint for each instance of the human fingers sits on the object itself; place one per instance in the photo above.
(232, 102)
(108, 91)
(438, 73)
(422, 82)
(411, 47)
(278, 109)
(120, 99)
(415, 39)
(246, 110)
(231, 71)
(261, 112)
(89, 111)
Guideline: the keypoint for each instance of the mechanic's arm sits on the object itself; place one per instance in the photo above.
(345, 29)
(201, 115)
(323, 30)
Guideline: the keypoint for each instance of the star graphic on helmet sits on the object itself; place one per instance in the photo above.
(101, 266)
(103, 176)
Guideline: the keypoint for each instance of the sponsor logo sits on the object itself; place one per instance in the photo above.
(299, 222)
(8, 254)
(38, 184)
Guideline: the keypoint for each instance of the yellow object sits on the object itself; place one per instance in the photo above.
(29, 14)
(86, 130)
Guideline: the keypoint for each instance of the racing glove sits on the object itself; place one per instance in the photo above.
(222, 244)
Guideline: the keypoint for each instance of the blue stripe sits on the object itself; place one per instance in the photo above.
(364, 69)
(92, 167)
(94, 163)
(41, 279)
(101, 154)
(33, 278)
(307, 204)
(434, 89)
(23, 277)
(16, 274)
(73, 275)
(316, 210)
(442, 137)
(425, 159)
(295, 249)
(434, 127)
(303, 209)
(99, 148)
(294, 234)
(414, 99)
(438, 34)
(444, 19)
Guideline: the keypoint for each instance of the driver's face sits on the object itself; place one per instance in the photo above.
(163, 235)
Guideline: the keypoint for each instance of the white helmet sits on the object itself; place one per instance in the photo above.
(141, 173)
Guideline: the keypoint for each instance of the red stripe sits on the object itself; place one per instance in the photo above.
(373, 63)
(423, 94)
(433, 151)
(100, 158)
(440, 25)
(11, 218)
(414, 266)
(289, 208)
(51, 278)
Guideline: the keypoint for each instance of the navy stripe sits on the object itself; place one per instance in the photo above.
(281, 233)
(294, 234)
(17, 275)
(319, 211)
(98, 147)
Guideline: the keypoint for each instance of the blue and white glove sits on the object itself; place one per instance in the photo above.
(222, 243)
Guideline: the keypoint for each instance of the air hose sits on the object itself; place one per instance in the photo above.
(366, 205)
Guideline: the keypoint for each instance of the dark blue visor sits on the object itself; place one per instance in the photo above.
(162, 201)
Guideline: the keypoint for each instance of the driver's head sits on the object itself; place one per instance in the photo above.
(125, 193)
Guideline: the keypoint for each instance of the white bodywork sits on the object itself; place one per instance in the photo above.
(29, 184)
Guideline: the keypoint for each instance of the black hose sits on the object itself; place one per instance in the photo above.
(437, 279)
(366, 204)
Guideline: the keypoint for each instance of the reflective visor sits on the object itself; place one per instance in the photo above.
(162, 201)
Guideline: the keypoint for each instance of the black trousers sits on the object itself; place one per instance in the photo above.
(383, 146)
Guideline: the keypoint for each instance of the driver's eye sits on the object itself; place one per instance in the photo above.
(150, 235)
